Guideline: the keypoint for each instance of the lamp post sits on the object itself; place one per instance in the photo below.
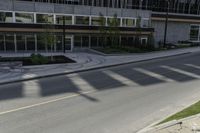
(166, 23)
(64, 34)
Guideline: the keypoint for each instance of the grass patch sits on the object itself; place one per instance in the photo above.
(27, 61)
(192, 110)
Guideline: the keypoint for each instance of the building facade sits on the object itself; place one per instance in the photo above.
(22, 22)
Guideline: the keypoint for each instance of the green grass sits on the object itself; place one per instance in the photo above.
(192, 110)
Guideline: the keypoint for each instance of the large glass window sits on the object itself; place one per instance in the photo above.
(194, 33)
(113, 22)
(60, 19)
(77, 41)
(59, 43)
(98, 21)
(94, 41)
(21, 45)
(24, 18)
(82, 20)
(30, 42)
(41, 44)
(10, 43)
(2, 46)
(129, 22)
(145, 23)
(44, 18)
(6, 17)
(85, 41)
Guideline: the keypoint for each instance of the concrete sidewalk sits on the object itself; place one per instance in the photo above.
(84, 62)
(186, 125)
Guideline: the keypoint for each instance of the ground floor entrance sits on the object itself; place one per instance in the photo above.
(69, 43)
(35, 42)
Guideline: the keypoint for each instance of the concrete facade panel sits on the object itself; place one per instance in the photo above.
(44, 7)
(97, 10)
(113, 11)
(64, 9)
(6, 5)
(24, 6)
(82, 10)
(177, 31)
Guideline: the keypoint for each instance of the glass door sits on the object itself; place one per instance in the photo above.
(68, 43)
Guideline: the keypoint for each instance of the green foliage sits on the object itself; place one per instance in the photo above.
(138, 22)
(192, 110)
(114, 31)
(37, 59)
(102, 29)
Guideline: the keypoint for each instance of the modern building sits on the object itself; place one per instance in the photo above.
(22, 22)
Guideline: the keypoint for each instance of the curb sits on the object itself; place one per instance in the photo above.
(90, 69)
(168, 124)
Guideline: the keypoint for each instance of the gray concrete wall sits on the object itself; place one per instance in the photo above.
(13, 5)
(177, 31)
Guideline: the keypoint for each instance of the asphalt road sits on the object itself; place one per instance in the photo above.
(121, 99)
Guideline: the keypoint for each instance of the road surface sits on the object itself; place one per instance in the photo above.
(120, 99)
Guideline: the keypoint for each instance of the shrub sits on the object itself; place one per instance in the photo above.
(38, 59)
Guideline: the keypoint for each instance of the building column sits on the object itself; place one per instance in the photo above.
(15, 42)
(35, 43)
(89, 41)
(25, 42)
(4, 42)
(120, 40)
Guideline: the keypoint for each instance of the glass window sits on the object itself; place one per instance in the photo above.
(82, 20)
(21, 42)
(98, 21)
(60, 18)
(44, 18)
(145, 23)
(129, 22)
(94, 41)
(112, 20)
(41, 45)
(10, 45)
(85, 41)
(6, 17)
(59, 43)
(2, 43)
(194, 33)
(24, 18)
(77, 41)
(30, 42)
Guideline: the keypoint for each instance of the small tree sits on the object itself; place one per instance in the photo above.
(49, 36)
(138, 34)
(114, 30)
(102, 29)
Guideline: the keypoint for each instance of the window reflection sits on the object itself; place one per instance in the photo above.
(60, 19)
(82, 20)
(24, 18)
(6, 17)
(44, 18)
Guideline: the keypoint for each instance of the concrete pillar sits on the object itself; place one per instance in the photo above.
(4, 42)
(15, 42)
(35, 43)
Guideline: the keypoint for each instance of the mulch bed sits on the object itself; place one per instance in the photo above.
(26, 61)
